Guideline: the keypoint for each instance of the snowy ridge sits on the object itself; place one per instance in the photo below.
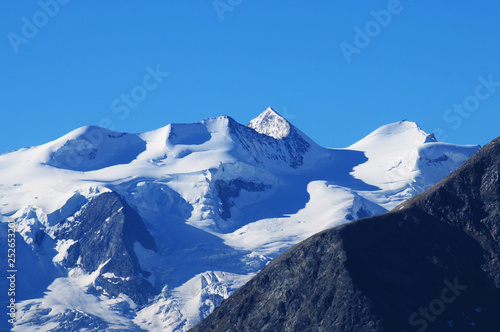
(405, 160)
(209, 204)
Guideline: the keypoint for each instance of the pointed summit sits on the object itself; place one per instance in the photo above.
(271, 123)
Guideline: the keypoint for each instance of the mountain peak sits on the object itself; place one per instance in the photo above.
(398, 128)
(417, 249)
(271, 123)
(404, 134)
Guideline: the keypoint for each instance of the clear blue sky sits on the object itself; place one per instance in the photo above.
(243, 56)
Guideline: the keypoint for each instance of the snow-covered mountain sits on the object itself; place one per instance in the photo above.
(378, 274)
(152, 231)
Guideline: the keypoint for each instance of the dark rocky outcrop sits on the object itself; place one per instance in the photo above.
(431, 264)
(104, 232)
(228, 190)
(289, 150)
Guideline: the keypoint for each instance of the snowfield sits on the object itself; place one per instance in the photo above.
(220, 200)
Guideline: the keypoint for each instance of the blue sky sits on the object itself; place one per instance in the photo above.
(72, 63)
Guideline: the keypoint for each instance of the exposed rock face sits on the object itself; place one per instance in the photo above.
(104, 233)
(270, 132)
(431, 264)
(231, 189)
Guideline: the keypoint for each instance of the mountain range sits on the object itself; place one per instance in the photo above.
(430, 264)
(152, 231)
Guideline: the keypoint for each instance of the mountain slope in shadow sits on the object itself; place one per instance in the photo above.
(430, 264)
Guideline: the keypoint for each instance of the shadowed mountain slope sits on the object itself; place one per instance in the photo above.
(430, 264)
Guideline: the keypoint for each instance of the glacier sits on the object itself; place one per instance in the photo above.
(152, 231)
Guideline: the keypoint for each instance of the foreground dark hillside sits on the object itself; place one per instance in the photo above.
(431, 264)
